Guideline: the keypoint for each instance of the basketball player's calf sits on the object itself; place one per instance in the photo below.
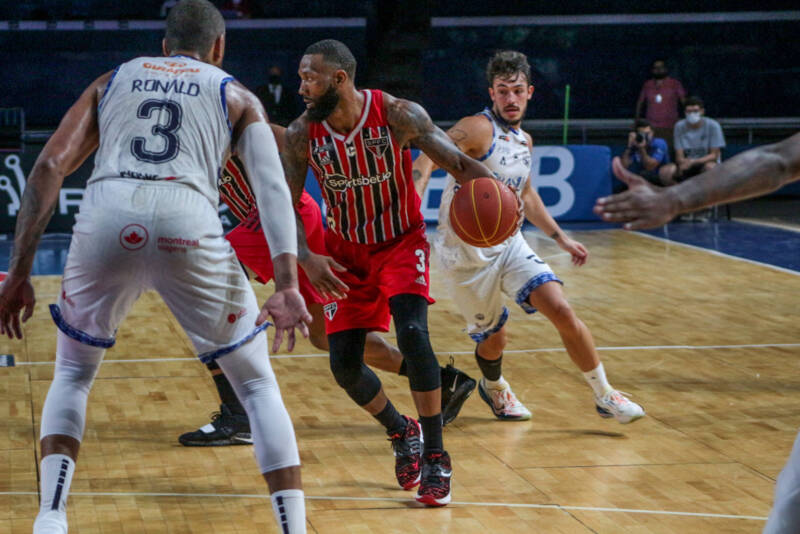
(364, 387)
(230, 426)
(550, 301)
(410, 314)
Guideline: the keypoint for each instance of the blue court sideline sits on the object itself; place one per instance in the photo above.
(765, 244)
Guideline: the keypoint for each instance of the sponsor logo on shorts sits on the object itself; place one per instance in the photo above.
(232, 317)
(330, 310)
(133, 237)
(176, 244)
(66, 299)
(421, 280)
(480, 316)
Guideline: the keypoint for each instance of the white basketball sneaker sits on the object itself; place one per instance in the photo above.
(50, 522)
(615, 404)
(503, 402)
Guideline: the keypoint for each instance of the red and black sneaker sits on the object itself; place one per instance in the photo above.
(434, 486)
(407, 449)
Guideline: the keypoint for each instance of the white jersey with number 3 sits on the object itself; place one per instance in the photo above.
(164, 119)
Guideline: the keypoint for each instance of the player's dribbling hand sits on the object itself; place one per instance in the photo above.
(287, 309)
(15, 294)
(319, 269)
(643, 205)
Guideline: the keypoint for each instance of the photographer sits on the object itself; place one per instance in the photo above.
(646, 155)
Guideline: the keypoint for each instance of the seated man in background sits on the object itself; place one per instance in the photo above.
(647, 155)
(698, 142)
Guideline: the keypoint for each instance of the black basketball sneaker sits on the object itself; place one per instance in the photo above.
(225, 428)
(457, 386)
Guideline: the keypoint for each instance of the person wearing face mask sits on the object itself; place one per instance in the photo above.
(647, 155)
(663, 97)
(698, 142)
(276, 98)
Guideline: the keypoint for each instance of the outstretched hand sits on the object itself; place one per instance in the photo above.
(319, 269)
(16, 294)
(287, 309)
(643, 205)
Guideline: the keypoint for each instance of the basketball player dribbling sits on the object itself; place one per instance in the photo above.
(752, 173)
(357, 145)
(162, 127)
(230, 426)
(477, 277)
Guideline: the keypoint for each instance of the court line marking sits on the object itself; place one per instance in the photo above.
(461, 352)
(395, 499)
(718, 253)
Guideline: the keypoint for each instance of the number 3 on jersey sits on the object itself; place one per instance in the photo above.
(166, 131)
(421, 255)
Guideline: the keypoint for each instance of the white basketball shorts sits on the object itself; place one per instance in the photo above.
(477, 279)
(131, 236)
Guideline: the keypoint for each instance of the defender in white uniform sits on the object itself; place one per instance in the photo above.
(162, 127)
(477, 278)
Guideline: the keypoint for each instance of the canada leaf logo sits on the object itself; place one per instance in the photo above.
(133, 237)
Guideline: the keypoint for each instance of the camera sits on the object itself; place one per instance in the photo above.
(640, 138)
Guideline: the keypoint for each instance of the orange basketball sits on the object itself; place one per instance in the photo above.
(484, 212)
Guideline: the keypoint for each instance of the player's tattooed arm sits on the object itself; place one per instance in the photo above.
(295, 166)
(469, 134)
(317, 267)
(73, 141)
(411, 125)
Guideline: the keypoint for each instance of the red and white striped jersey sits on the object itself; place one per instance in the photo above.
(365, 177)
(234, 190)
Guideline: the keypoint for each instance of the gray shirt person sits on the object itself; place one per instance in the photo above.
(697, 142)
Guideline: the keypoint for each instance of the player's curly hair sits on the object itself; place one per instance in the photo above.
(194, 25)
(506, 64)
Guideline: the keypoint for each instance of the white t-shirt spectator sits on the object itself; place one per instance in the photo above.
(697, 142)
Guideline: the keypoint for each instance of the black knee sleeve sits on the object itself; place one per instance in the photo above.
(347, 366)
(410, 313)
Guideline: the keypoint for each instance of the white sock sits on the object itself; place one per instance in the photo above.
(57, 470)
(597, 379)
(289, 507)
(500, 383)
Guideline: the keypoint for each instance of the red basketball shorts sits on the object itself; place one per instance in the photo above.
(252, 250)
(375, 273)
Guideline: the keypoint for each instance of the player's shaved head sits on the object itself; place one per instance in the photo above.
(193, 25)
(506, 65)
(335, 53)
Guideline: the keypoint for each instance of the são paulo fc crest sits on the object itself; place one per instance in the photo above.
(377, 146)
(330, 310)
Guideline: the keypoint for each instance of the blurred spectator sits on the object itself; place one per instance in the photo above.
(277, 100)
(663, 98)
(234, 9)
(647, 155)
(698, 142)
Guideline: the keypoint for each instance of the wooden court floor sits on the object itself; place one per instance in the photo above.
(709, 345)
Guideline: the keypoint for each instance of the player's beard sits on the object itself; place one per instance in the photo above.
(324, 105)
(513, 124)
